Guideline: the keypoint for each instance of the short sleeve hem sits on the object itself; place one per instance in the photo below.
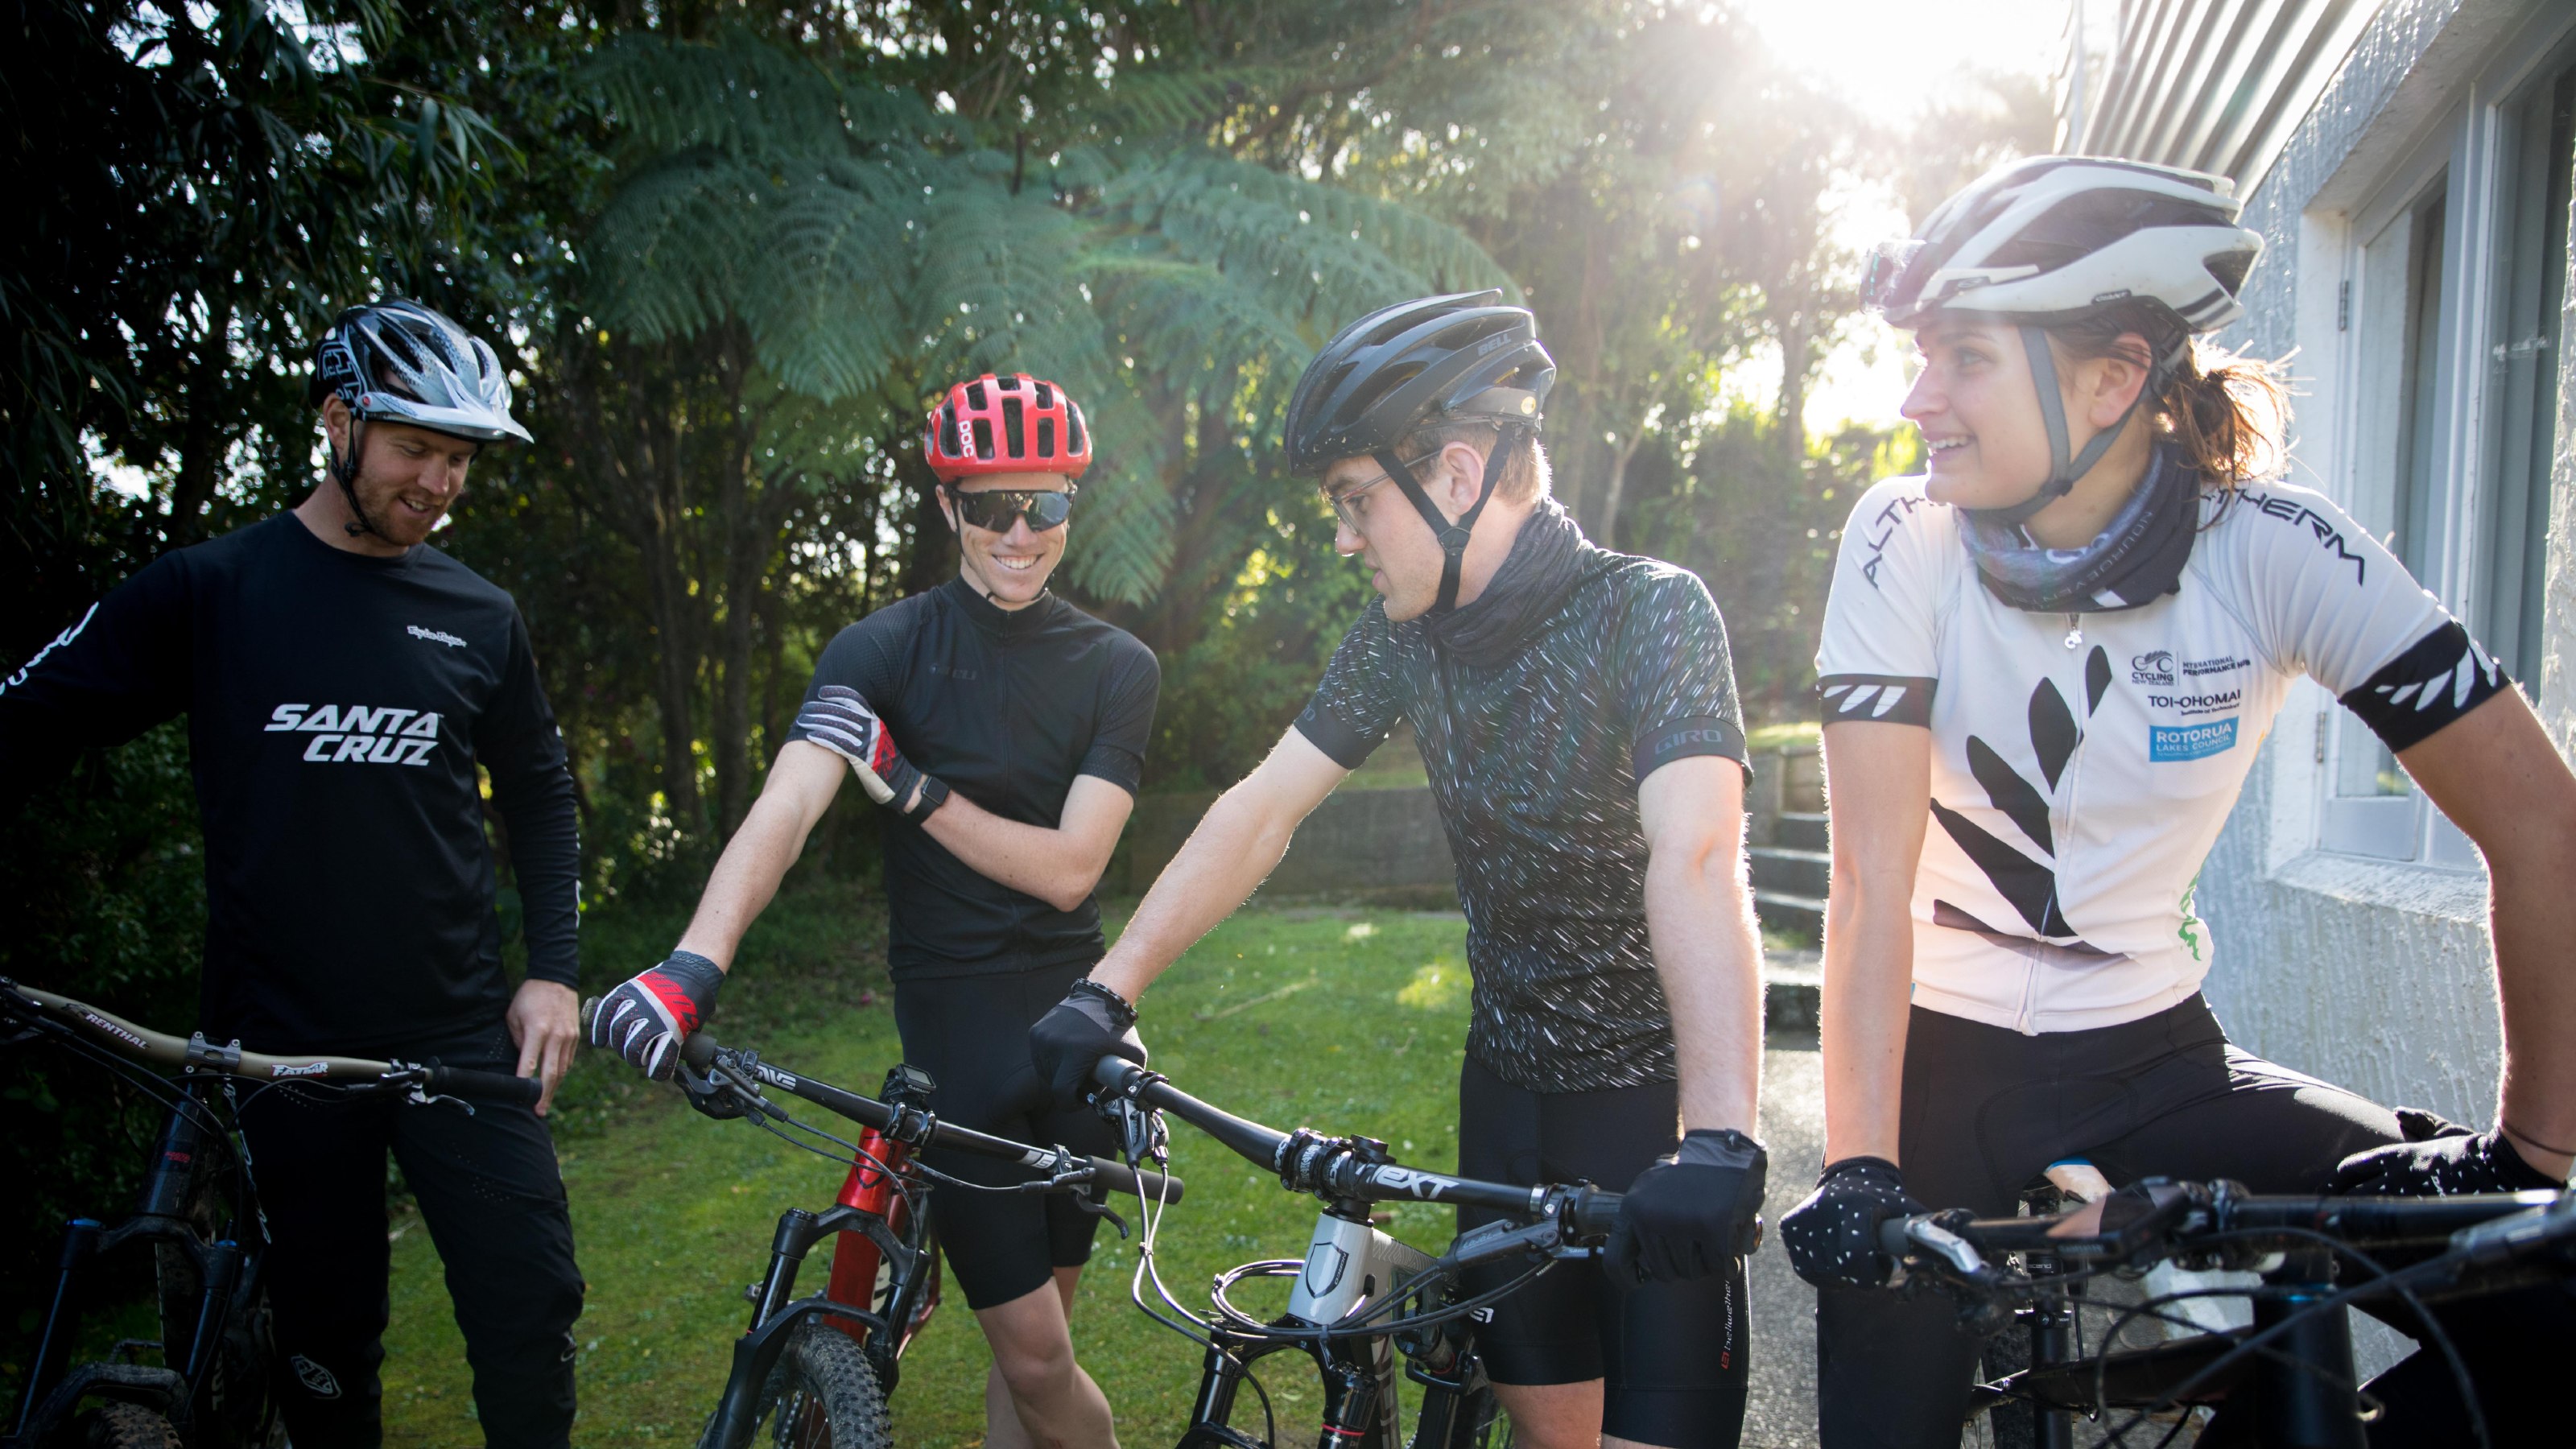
(1120, 767)
(1680, 739)
(1343, 745)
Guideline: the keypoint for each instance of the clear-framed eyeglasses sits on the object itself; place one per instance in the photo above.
(1341, 501)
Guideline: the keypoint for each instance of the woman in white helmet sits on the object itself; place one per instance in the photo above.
(2047, 664)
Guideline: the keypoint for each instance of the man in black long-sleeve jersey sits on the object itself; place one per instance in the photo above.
(342, 681)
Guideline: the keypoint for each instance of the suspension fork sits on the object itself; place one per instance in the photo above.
(2303, 1394)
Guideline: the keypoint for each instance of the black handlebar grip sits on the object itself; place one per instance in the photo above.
(699, 1051)
(491, 1086)
(1596, 1214)
(1149, 1185)
(1892, 1239)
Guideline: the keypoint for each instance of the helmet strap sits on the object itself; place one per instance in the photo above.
(2062, 469)
(1453, 536)
(344, 471)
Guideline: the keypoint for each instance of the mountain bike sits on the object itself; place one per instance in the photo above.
(199, 1217)
(2293, 1367)
(814, 1372)
(1358, 1297)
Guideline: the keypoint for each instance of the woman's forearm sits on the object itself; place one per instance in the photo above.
(1869, 975)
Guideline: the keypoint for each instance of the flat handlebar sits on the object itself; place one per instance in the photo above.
(702, 1051)
(2158, 1218)
(1355, 1168)
(162, 1049)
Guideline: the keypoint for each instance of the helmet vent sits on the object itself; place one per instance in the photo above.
(1046, 437)
(1073, 440)
(975, 395)
(984, 439)
(1014, 428)
(1046, 399)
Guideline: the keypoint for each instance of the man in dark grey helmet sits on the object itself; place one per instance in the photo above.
(1576, 711)
(343, 682)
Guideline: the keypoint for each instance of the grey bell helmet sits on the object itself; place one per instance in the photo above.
(398, 361)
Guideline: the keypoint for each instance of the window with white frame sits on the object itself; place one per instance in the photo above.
(2450, 360)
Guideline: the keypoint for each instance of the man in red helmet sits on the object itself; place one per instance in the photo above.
(1028, 721)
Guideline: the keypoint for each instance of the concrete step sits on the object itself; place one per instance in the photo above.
(1791, 872)
(1799, 915)
(1798, 830)
(1791, 984)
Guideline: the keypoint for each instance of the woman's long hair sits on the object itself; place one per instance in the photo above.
(2228, 413)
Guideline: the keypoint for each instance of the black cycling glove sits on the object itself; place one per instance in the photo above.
(2438, 1159)
(839, 719)
(1694, 1211)
(1090, 1023)
(646, 1019)
(1833, 1235)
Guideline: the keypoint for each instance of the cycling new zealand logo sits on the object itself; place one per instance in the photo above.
(356, 734)
(2156, 668)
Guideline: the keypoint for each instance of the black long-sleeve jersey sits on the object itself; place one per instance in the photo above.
(1006, 708)
(337, 707)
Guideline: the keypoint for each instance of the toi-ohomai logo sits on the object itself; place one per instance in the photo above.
(355, 734)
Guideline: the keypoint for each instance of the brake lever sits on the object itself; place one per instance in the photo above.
(1502, 1240)
(1950, 1248)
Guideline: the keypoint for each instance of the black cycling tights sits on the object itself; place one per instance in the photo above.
(1672, 1355)
(494, 1205)
(1987, 1109)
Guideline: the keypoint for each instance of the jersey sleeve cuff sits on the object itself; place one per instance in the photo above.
(1119, 767)
(1881, 698)
(2441, 677)
(1343, 745)
(1680, 739)
(567, 973)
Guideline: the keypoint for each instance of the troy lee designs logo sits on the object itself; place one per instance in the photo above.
(434, 636)
(356, 734)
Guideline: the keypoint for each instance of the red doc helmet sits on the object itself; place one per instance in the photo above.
(1014, 424)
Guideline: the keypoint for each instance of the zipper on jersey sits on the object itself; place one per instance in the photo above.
(2074, 631)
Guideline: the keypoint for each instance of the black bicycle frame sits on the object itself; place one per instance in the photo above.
(227, 1275)
(776, 1311)
(1355, 1375)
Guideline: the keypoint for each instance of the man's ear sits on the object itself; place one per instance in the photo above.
(1466, 469)
(335, 423)
(947, 509)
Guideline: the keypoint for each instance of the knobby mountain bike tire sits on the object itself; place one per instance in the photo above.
(823, 1395)
(125, 1426)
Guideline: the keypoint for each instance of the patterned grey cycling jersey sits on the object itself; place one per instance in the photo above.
(1535, 763)
(2083, 764)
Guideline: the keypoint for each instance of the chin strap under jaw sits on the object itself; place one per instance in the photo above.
(345, 473)
(2063, 470)
(1453, 535)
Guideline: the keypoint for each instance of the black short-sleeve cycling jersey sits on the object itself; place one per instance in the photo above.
(1006, 707)
(1535, 762)
(337, 706)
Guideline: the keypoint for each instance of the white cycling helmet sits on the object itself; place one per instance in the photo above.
(2054, 239)
(398, 361)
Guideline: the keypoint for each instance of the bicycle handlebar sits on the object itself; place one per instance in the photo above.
(1357, 1167)
(2159, 1218)
(162, 1049)
(701, 1051)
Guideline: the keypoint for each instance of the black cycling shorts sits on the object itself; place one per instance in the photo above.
(1987, 1109)
(971, 1033)
(1672, 1355)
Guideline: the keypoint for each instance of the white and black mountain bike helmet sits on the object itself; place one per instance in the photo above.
(398, 361)
(2051, 240)
(1465, 357)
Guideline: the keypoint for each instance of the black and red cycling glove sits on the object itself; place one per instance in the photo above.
(647, 1019)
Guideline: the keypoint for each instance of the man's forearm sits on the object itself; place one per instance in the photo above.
(2534, 918)
(745, 880)
(1869, 973)
(1233, 850)
(1708, 953)
(1059, 865)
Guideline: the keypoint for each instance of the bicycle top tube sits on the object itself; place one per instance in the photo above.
(159, 1048)
(920, 1127)
(1343, 1167)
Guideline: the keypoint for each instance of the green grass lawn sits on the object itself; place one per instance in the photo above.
(1347, 1020)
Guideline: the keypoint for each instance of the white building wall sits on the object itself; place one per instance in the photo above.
(2372, 974)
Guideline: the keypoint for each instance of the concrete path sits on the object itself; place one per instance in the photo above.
(1782, 1411)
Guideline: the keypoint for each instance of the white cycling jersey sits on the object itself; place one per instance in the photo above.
(2083, 764)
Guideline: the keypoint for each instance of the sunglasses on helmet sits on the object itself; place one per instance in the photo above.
(997, 509)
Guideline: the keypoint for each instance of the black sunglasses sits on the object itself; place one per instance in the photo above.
(996, 509)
